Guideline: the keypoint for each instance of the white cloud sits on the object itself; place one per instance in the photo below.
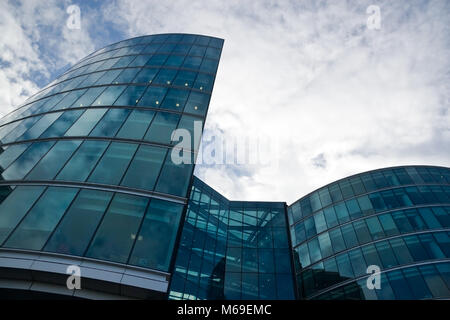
(310, 75)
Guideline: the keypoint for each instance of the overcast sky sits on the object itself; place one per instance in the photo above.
(330, 96)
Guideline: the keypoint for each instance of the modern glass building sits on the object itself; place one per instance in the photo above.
(87, 171)
(88, 180)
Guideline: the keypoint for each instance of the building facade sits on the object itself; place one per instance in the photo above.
(89, 181)
(87, 171)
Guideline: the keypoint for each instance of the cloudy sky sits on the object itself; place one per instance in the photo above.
(324, 95)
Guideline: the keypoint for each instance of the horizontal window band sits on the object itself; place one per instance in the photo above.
(96, 186)
(140, 142)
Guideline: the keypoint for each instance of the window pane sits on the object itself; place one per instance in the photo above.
(145, 75)
(386, 254)
(197, 103)
(144, 168)
(86, 122)
(73, 234)
(88, 97)
(131, 96)
(162, 127)
(60, 126)
(108, 96)
(118, 229)
(152, 97)
(113, 164)
(15, 206)
(136, 124)
(11, 153)
(53, 161)
(174, 178)
(40, 126)
(83, 161)
(110, 123)
(19, 168)
(34, 230)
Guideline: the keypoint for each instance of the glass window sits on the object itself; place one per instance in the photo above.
(75, 230)
(144, 168)
(418, 286)
(174, 61)
(15, 206)
(415, 220)
(335, 192)
(349, 236)
(442, 215)
(402, 222)
(371, 255)
(346, 188)
(197, 103)
(377, 202)
(358, 262)
(402, 198)
(152, 97)
(386, 254)
(64, 122)
(20, 129)
(110, 123)
(315, 202)
(330, 217)
(434, 281)
(209, 65)
(108, 78)
(174, 178)
(145, 75)
(314, 250)
(162, 127)
(185, 78)
(415, 248)
(40, 126)
(88, 97)
(399, 285)
(362, 232)
(389, 199)
(325, 245)
(429, 218)
(431, 246)
(83, 161)
(414, 195)
(127, 75)
(357, 185)
(344, 266)
(310, 228)
(136, 125)
(375, 228)
(20, 167)
(69, 99)
(86, 122)
(300, 233)
(113, 164)
(53, 161)
(444, 270)
(204, 82)
(34, 230)
(157, 59)
(401, 251)
(117, 231)
(109, 96)
(320, 223)
(123, 62)
(130, 96)
(12, 153)
(388, 224)
(175, 99)
(444, 242)
(353, 209)
(303, 254)
(365, 205)
(165, 76)
(341, 212)
(336, 240)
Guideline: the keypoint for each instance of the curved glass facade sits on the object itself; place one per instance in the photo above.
(85, 163)
(396, 218)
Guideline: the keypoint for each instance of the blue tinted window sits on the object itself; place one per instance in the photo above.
(118, 229)
(86, 122)
(136, 125)
(145, 75)
(75, 230)
(113, 164)
(34, 230)
(131, 96)
(82, 162)
(162, 127)
(53, 161)
(156, 238)
(15, 206)
(64, 122)
(110, 123)
(152, 97)
(20, 167)
(144, 168)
